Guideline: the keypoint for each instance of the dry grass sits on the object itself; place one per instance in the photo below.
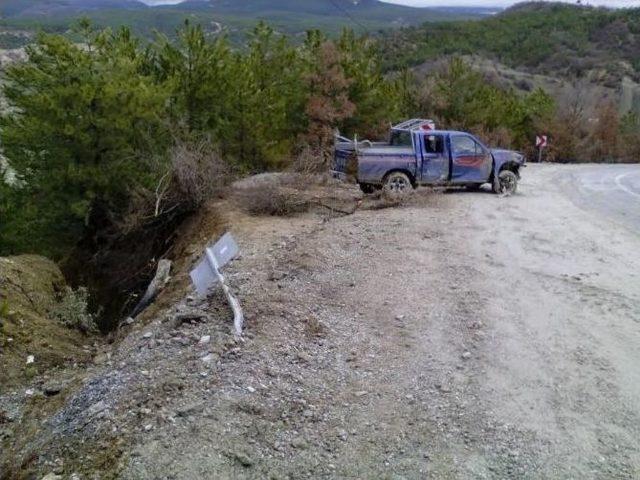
(199, 173)
(420, 197)
(275, 194)
(273, 200)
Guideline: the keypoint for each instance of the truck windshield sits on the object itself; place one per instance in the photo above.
(400, 139)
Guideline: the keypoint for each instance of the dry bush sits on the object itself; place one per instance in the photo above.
(308, 161)
(194, 173)
(273, 195)
(198, 171)
(629, 147)
(604, 133)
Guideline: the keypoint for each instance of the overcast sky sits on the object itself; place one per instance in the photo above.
(447, 3)
(506, 3)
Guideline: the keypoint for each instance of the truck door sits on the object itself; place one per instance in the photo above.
(435, 158)
(470, 160)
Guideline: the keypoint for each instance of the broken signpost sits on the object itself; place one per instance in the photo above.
(207, 274)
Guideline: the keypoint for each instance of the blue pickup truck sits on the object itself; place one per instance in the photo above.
(418, 154)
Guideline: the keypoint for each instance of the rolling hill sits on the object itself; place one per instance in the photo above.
(555, 39)
(289, 16)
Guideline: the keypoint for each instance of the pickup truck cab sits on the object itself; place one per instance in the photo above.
(427, 157)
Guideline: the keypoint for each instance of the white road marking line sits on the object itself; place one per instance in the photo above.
(620, 185)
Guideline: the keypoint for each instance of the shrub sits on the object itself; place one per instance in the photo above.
(273, 196)
(73, 310)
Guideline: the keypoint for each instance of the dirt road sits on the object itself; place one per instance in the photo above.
(476, 337)
(466, 337)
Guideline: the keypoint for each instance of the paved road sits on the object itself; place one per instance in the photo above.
(612, 190)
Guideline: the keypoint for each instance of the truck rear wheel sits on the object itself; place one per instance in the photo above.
(506, 183)
(397, 183)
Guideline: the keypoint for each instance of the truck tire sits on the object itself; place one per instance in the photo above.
(397, 183)
(506, 183)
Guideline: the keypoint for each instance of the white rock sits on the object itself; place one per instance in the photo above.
(466, 355)
(51, 476)
(147, 335)
(29, 392)
(30, 359)
(251, 389)
(204, 340)
(207, 358)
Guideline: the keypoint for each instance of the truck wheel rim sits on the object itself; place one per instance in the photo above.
(397, 184)
(506, 184)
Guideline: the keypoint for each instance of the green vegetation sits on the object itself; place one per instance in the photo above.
(73, 310)
(462, 98)
(92, 130)
(236, 18)
(116, 140)
(557, 39)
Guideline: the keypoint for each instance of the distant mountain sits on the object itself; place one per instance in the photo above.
(234, 16)
(26, 8)
(557, 39)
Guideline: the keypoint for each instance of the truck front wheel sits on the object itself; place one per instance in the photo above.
(506, 183)
(397, 183)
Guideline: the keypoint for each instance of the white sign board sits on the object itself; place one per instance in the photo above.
(207, 274)
(541, 141)
(204, 276)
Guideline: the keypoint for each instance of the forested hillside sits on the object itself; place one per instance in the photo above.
(235, 18)
(555, 39)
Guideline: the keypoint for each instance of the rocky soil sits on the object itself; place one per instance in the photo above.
(463, 335)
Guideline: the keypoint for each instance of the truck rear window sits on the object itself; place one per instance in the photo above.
(400, 139)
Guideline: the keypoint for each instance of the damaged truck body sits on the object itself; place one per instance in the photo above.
(418, 154)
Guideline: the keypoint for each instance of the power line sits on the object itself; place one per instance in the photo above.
(346, 12)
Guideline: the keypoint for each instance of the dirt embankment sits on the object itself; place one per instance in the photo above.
(466, 336)
(30, 290)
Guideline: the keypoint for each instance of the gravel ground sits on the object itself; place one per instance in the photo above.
(466, 336)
